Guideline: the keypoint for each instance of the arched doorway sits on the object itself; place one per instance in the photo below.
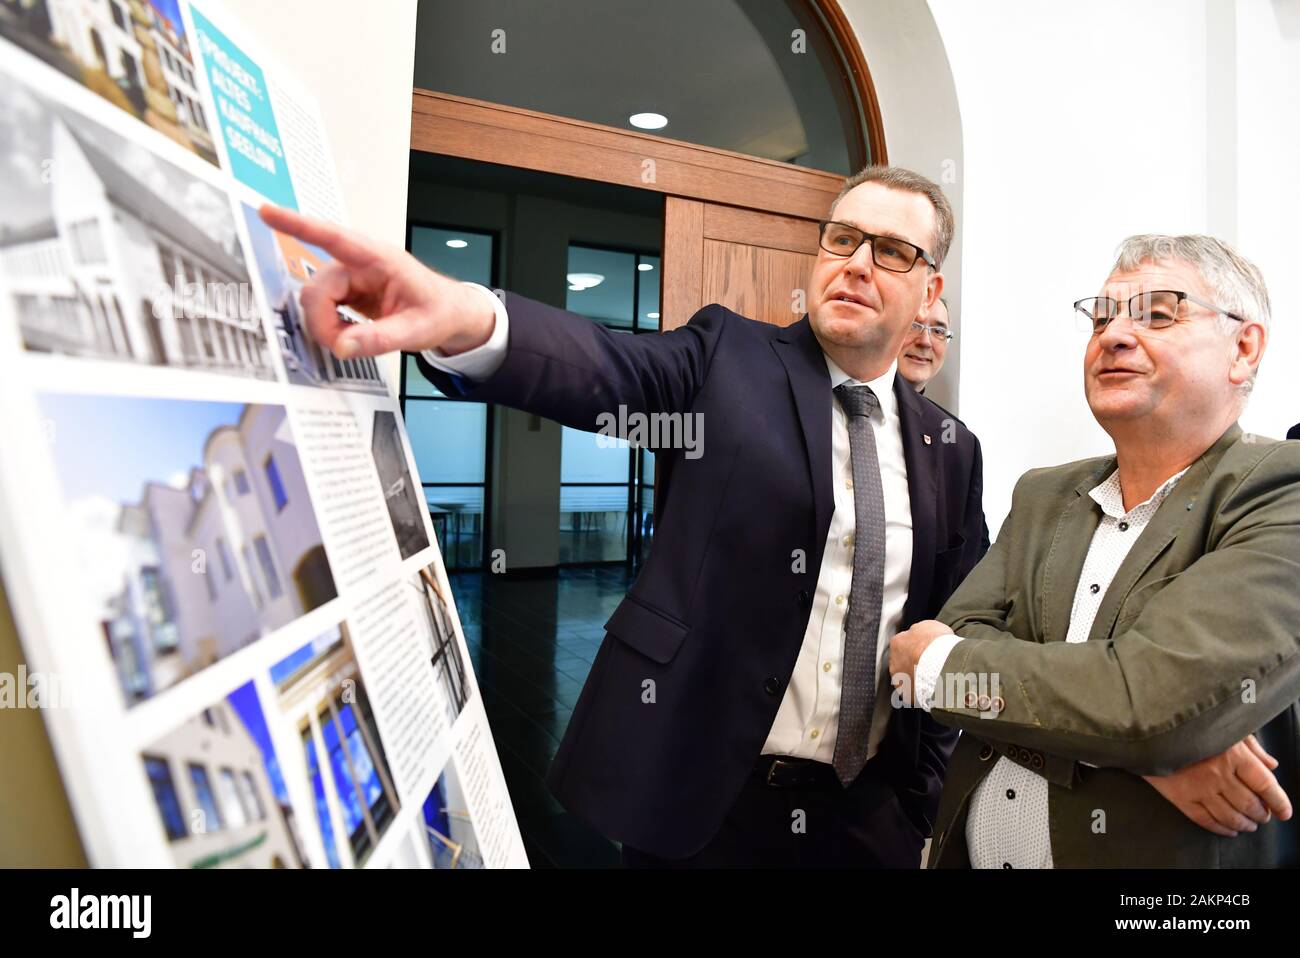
(769, 105)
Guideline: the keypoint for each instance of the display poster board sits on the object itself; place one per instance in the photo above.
(235, 618)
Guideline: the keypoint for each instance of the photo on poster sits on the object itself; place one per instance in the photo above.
(448, 827)
(322, 696)
(444, 650)
(220, 795)
(192, 525)
(133, 53)
(406, 506)
(112, 253)
(285, 263)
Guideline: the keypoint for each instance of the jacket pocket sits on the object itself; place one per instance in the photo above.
(654, 634)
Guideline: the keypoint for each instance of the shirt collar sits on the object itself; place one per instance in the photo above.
(882, 386)
(1110, 496)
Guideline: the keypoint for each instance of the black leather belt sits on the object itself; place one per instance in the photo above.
(783, 771)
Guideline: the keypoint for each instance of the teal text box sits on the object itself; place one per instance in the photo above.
(244, 113)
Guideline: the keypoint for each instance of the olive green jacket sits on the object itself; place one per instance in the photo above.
(1195, 646)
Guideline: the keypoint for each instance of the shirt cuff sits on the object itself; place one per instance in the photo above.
(929, 669)
(480, 362)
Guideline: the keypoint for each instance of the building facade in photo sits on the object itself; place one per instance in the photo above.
(215, 797)
(216, 565)
(100, 276)
(448, 828)
(124, 50)
(444, 651)
(305, 361)
(325, 700)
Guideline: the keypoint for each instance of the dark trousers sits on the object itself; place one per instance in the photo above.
(816, 826)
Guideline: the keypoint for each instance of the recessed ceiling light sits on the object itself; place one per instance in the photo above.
(579, 281)
(457, 243)
(648, 121)
(651, 315)
(644, 267)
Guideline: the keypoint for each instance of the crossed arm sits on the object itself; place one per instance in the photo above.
(1174, 694)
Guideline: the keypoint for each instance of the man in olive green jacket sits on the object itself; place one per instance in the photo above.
(1125, 661)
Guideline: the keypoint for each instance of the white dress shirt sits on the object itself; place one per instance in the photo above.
(808, 717)
(1007, 824)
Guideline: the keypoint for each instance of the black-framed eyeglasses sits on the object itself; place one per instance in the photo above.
(1154, 309)
(936, 332)
(887, 252)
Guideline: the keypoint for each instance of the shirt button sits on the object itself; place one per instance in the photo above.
(814, 733)
(1094, 588)
(1011, 793)
(848, 483)
(839, 600)
(1123, 527)
(847, 540)
(826, 666)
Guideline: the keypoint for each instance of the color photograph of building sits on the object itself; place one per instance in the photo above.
(285, 264)
(192, 526)
(133, 53)
(322, 695)
(444, 650)
(111, 253)
(447, 824)
(220, 795)
(406, 506)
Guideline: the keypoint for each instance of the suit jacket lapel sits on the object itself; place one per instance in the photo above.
(1070, 542)
(918, 421)
(810, 383)
(1159, 533)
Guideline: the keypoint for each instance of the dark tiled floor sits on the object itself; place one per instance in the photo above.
(532, 642)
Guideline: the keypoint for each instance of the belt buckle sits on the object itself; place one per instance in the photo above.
(772, 770)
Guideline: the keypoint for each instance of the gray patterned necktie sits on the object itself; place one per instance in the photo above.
(862, 624)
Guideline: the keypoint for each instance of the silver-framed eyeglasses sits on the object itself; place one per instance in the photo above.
(936, 332)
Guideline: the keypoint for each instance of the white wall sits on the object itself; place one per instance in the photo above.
(1268, 197)
(358, 60)
(923, 130)
(1076, 134)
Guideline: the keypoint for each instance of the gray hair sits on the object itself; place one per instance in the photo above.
(897, 178)
(1237, 283)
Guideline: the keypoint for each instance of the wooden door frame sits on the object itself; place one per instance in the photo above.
(471, 129)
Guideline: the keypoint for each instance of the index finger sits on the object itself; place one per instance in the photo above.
(345, 246)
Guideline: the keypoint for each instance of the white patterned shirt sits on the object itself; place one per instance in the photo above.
(1007, 823)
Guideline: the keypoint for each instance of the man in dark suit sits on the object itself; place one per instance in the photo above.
(738, 711)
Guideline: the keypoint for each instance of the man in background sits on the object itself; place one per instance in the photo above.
(925, 347)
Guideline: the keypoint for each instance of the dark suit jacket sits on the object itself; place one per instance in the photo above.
(717, 616)
(1193, 648)
(1294, 432)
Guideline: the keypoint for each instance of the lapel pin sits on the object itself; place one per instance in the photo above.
(927, 439)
